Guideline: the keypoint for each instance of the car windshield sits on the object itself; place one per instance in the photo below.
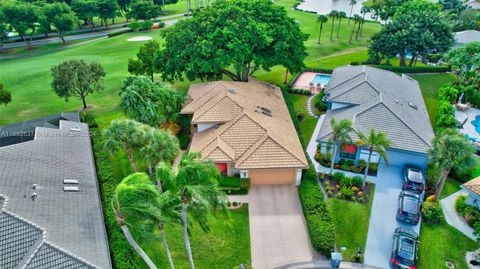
(415, 176)
(406, 249)
(410, 204)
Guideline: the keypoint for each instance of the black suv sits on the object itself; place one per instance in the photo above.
(408, 207)
(413, 179)
(405, 249)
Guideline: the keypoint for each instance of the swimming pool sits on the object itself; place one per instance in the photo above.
(476, 123)
(321, 78)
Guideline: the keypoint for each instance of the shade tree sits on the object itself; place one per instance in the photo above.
(145, 62)
(22, 17)
(5, 95)
(232, 38)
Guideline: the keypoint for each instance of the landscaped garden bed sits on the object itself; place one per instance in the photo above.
(325, 160)
(234, 185)
(470, 213)
(347, 188)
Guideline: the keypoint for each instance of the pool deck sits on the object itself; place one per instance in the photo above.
(304, 79)
(468, 127)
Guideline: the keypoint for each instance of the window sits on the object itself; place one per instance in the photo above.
(348, 151)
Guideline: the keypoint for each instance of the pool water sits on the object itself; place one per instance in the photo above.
(476, 123)
(322, 79)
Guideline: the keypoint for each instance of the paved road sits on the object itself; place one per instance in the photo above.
(383, 222)
(448, 206)
(53, 39)
(278, 234)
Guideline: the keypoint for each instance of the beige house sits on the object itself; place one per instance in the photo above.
(245, 128)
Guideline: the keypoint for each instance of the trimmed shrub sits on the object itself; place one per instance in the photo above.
(361, 200)
(357, 181)
(245, 183)
(88, 118)
(300, 116)
(184, 141)
(432, 211)
(338, 176)
(347, 193)
(461, 204)
(346, 181)
(415, 69)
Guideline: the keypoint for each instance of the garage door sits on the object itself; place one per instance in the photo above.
(271, 176)
(400, 158)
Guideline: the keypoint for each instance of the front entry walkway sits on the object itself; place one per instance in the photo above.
(278, 233)
(448, 206)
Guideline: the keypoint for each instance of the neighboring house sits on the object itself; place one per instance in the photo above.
(50, 209)
(464, 37)
(473, 4)
(382, 100)
(473, 189)
(245, 128)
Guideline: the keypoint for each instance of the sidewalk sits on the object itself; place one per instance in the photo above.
(448, 207)
(326, 265)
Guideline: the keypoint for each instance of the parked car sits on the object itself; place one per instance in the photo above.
(409, 207)
(413, 179)
(405, 249)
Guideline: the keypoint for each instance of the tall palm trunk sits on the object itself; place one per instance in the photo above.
(165, 245)
(320, 35)
(333, 26)
(358, 30)
(130, 158)
(186, 239)
(363, 22)
(334, 153)
(350, 16)
(338, 27)
(136, 247)
(353, 31)
(441, 182)
(157, 178)
(365, 173)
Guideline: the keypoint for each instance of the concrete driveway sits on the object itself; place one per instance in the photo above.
(383, 222)
(278, 233)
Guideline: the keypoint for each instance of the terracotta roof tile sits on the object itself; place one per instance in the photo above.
(473, 185)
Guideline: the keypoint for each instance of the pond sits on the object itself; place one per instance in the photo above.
(326, 6)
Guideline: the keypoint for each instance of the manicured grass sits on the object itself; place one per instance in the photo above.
(442, 242)
(226, 245)
(451, 186)
(430, 84)
(351, 221)
(307, 126)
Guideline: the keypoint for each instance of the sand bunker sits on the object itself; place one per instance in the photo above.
(140, 38)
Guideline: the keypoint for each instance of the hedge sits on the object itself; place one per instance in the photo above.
(415, 69)
(319, 222)
(120, 32)
(122, 254)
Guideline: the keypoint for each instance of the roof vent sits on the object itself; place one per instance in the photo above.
(71, 189)
(232, 91)
(70, 181)
(412, 105)
(263, 110)
(397, 101)
(75, 129)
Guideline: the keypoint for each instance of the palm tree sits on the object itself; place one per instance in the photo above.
(136, 198)
(340, 134)
(352, 3)
(333, 14)
(364, 11)
(340, 16)
(450, 149)
(355, 20)
(195, 183)
(359, 21)
(374, 141)
(124, 134)
(322, 19)
(159, 146)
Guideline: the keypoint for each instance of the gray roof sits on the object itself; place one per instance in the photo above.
(464, 37)
(59, 229)
(381, 100)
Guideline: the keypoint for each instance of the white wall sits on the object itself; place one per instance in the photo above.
(204, 126)
(298, 177)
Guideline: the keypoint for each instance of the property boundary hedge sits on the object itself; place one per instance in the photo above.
(414, 69)
(122, 254)
(120, 32)
(319, 222)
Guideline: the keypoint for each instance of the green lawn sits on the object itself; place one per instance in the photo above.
(430, 84)
(226, 245)
(442, 242)
(451, 186)
(307, 126)
(351, 224)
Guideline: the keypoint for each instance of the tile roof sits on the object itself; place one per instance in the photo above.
(244, 135)
(464, 37)
(381, 100)
(473, 185)
(70, 222)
